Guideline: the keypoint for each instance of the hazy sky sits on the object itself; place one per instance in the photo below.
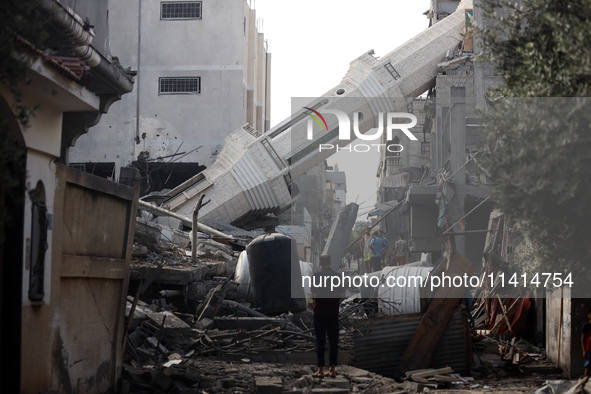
(312, 43)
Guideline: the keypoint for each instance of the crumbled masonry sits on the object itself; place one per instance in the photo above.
(192, 332)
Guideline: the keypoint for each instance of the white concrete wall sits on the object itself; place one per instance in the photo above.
(112, 140)
(368, 87)
(564, 320)
(218, 48)
(43, 147)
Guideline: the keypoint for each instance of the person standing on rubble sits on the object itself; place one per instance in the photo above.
(365, 249)
(377, 250)
(400, 249)
(326, 315)
(586, 343)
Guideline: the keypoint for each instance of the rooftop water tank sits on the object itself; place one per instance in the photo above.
(273, 262)
(400, 292)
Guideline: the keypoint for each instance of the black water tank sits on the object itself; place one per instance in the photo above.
(273, 262)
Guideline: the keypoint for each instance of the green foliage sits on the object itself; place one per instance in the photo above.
(540, 149)
(25, 19)
(540, 47)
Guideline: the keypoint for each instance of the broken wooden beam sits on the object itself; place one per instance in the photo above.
(431, 372)
(504, 311)
(419, 352)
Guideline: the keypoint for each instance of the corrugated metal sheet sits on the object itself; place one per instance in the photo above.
(395, 180)
(402, 290)
(380, 343)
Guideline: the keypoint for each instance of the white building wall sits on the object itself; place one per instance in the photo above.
(221, 48)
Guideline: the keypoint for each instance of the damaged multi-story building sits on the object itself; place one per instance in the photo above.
(203, 70)
(439, 173)
(445, 178)
(250, 180)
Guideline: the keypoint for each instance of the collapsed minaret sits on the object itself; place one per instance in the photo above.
(252, 174)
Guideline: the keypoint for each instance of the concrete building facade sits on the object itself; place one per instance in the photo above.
(435, 175)
(399, 169)
(203, 70)
(456, 186)
(336, 184)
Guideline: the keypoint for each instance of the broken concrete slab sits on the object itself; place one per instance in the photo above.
(142, 311)
(268, 385)
(338, 382)
(169, 275)
(147, 233)
(182, 275)
(330, 390)
(247, 323)
(220, 268)
(339, 235)
(353, 372)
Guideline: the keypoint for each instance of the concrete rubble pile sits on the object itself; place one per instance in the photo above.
(245, 376)
(192, 328)
(501, 319)
(184, 313)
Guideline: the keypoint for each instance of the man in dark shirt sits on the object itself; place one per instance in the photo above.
(326, 314)
(586, 343)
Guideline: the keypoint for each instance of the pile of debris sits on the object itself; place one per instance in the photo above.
(437, 378)
(200, 375)
(520, 352)
(167, 351)
(187, 317)
(191, 317)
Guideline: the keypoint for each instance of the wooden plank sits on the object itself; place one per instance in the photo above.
(409, 373)
(504, 310)
(432, 372)
(445, 379)
(93, 267)
(423, 380)
(420, 350)
(93, 239)
(516, 358)
(480, 321)
(500, 317)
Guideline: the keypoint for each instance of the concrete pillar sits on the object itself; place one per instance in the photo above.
(460, 239)
(434, 151)
(444, 138)
(458, 133)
